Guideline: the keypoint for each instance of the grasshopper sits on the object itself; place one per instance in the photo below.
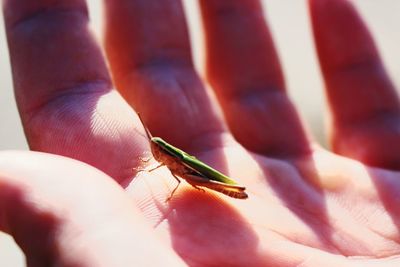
(195, 172)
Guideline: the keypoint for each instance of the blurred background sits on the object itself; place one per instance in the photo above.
(290, 27)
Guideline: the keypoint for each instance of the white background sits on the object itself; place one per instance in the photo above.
(290, 26)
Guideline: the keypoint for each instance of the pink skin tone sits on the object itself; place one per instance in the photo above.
(307, 206)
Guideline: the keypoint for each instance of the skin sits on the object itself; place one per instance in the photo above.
(307, 206)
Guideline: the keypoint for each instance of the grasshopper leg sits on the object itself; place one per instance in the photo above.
(155, 168)
(173, 191)
(198, 188)
(139, 170)
(145, 160)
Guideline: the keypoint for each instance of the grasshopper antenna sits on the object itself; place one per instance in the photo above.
(149, 136)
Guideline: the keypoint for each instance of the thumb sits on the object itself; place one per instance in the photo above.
(62, 212)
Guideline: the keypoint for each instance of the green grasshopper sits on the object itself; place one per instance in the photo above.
(196, 173)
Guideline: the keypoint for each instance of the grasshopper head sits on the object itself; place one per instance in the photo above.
(158, 141)
(158, 148)
(161, 148)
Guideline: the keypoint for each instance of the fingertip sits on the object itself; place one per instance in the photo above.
(363, 100)
(341, 35)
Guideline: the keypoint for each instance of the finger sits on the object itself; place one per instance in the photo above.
(244, 70)
(62, 87)
(363, 101)
(45, 206)
(148, 48)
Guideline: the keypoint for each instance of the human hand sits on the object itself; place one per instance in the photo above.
(306, 205)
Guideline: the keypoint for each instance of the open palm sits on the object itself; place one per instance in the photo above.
(306, 206)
